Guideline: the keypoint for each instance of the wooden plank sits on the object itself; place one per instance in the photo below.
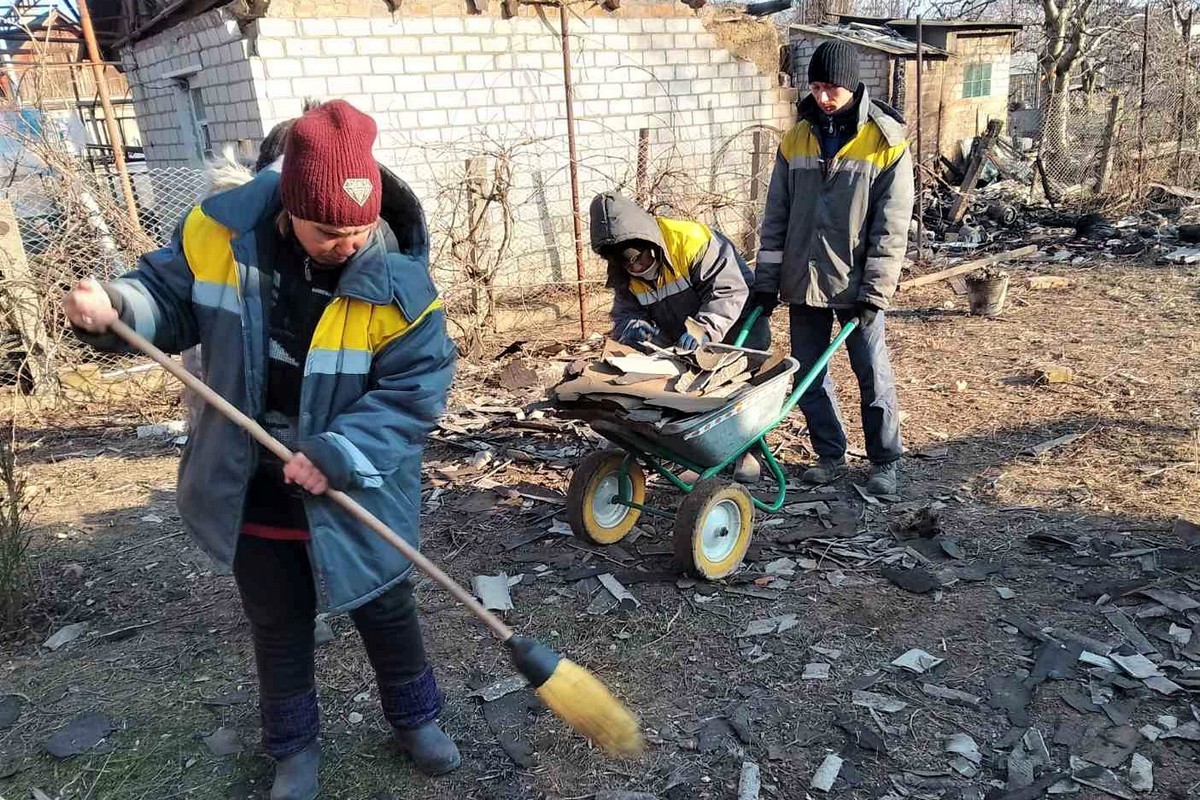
(979, 153)
(970, 266)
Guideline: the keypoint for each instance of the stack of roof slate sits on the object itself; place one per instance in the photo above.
(663, 384)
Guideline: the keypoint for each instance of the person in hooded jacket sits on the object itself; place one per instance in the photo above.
(309, 290)
(663, 271)
(834, 235)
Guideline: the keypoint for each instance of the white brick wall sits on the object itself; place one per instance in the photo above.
(441, 87)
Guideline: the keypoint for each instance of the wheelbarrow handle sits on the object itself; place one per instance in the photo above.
(744, 334)
(348, 504)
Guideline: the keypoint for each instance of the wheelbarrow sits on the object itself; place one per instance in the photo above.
(714, 523)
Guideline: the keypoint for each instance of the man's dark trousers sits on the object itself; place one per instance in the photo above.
(811, 333)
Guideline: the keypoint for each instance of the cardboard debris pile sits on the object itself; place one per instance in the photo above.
(664, 384)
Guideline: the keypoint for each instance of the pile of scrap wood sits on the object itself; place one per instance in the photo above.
(662, 385)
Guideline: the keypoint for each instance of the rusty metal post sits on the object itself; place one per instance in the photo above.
(110, 117)
(573, 155)
(920, 174)
(1183, 99)
(1141, 126)
(642, 176)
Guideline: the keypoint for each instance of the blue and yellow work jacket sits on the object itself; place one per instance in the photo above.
(375, 379)
(699, 272)
(835, 231)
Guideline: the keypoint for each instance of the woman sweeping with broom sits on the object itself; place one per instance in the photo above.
(321, 331)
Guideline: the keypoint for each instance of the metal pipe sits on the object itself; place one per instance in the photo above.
(110, 118)
(569, 92)
(1141, 126)
(920, 174)
(1183, 100)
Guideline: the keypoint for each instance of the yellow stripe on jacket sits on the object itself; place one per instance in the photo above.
(351, 332)
(210, 258)
(802, 149)
(684, 241)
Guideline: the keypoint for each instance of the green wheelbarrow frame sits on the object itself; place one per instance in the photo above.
(656, 458)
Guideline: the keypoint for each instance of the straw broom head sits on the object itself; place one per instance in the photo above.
(578, 697)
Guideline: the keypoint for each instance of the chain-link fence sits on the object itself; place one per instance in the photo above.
(65, 223)
(503, 244)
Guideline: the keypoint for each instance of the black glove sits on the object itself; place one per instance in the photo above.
(766, 301)
(866, 314)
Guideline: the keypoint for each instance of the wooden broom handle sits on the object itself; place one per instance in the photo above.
(502, 631)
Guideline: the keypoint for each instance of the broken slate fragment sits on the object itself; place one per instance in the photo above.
(1005, 593)
(1079, 701)
(770, 625)
(1102, 779)
(1054, 661)
(917, 661)
(65, 635)
(1136, 665)
(1163, 685)
(827, 773)
(860, 735)
(962, 744)
(953, 696)
(815, 672)
(1172, 600)
(877, 702)
(1141, 773)
(223, 742)
(749, 782)
(1151, 732)
(1010, 695)
(625, 599)
(80, 735)
(10, 709)
(1189, 731)
(492, 591)
(917, 580)
(501, 688)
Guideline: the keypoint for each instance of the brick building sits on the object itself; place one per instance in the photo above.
(965, 71)
(457, 92)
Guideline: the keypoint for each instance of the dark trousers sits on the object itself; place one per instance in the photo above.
(276, 585)
(811, 332)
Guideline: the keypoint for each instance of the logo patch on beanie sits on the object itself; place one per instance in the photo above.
(359, 190)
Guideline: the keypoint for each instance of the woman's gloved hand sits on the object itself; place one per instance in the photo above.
(637, 331)
(689, 343)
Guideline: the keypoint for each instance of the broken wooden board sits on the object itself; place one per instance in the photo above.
(645, 365)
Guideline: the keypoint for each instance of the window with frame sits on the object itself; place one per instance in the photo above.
(977, 80)
(200, 123)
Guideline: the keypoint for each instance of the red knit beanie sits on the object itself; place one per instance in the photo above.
(329, 174)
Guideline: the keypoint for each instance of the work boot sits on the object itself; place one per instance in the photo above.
(826, 470)
(431, 750)
(884, 479)
(296, 775)
(748, 470)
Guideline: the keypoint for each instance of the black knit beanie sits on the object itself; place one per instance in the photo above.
(834, 62)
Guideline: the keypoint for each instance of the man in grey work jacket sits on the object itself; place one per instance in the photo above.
(834, 234)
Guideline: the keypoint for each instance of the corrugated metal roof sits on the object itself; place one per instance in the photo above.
(958, 24)
(872, 37)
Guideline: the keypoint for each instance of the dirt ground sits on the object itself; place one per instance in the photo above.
(166, 655)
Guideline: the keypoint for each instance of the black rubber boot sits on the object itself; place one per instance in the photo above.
(431, 750)
(296, 775)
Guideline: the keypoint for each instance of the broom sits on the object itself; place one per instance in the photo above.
(570, 691)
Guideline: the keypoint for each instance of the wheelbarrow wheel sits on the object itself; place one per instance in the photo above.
(713, 528)
(592, 509)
